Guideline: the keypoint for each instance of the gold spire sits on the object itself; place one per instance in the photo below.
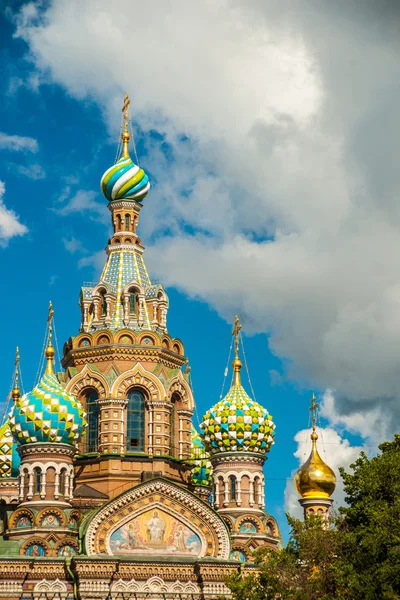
(315, 479)
(125, 134)
(237, 363)
(15, 394)
(50, 352)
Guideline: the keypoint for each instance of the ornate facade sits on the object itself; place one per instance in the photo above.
(108, 490)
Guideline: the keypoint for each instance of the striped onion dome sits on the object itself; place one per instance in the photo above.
(9, 457)
(125, 181)
(47, 414)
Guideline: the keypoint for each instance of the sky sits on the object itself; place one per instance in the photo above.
(269, 130)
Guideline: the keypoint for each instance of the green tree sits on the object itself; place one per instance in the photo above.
(356, 558)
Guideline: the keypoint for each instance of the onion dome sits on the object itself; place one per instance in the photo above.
(9, 457)
(315, 479)
(47, 413)
(237, 423)
(125, 180)
(200, 459)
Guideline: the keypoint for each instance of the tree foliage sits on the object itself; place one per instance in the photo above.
(357, 557)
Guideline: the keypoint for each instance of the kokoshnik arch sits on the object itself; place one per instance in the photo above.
(108, 491)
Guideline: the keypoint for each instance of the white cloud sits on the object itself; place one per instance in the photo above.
(282, 125)
(73, 245)
(335, 451)
(18, 143)
(10, 225)
(34, 171)
(82, 201)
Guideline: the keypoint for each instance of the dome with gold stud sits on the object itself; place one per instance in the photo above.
(48, 413)
(315, 479)
(237, 423)
(125, 180)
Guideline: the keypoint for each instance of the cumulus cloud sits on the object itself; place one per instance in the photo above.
(18, 143)
(10, 225)
(280, 178)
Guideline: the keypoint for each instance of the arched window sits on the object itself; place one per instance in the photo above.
(92, 411)
(132, 303)
(62, 482)
(232, 487)
(103, 305)
(127, 222)
(135, 422)
(37, 480)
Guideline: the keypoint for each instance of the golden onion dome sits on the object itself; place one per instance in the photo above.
(315, 479)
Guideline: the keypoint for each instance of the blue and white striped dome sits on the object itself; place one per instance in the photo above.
(125, 181)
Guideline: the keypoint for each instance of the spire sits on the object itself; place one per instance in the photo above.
(50, 352)
(315, 479)
(237, 363)
(15, 394)
(125, 134)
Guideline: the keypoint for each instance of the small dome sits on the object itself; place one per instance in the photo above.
(200, 459)
(237, 423)
(9, 457)
(47, 414)
(125, 181)
(315, 479)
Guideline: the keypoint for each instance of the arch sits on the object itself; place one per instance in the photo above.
(258, 524)
(138, 377)
(16, 515)
(51, 511)
(232, 487)
(135, 421)
(181, 386)
(88, 379)
(165, 343)
(178, 345)
(148, 339)
(125, 339)
(61, 548)
(54, 586)
(102, 337)
(27, 547)
(183, 506)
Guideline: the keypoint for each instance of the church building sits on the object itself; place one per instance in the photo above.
(108, 490)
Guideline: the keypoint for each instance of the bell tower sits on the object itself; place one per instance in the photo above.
(124, 366)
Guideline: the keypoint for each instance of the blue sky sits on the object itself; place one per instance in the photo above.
(256, 186)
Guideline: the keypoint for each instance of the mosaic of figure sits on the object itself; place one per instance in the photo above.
(35, 550)
(50, 521)
(24, 521)
(155, 532)
(66, 551)
(238, 555)
(247, 527)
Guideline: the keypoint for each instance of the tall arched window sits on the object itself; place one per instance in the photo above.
(37, 480)
(92, 431)
(103, 305)
(135, 422)
(232, 487)
(132, 303)
(127, 222)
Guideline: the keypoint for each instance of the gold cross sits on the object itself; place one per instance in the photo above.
(235, 332)
(125, 107)
(50, 322)
(314, 410)
(16, 366)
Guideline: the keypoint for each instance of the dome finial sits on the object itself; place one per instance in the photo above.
(50, 352)
(237, 363)
(315, 478)
(15, 394)
(125, 134)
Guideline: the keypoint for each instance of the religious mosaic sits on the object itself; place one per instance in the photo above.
(155, 532)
